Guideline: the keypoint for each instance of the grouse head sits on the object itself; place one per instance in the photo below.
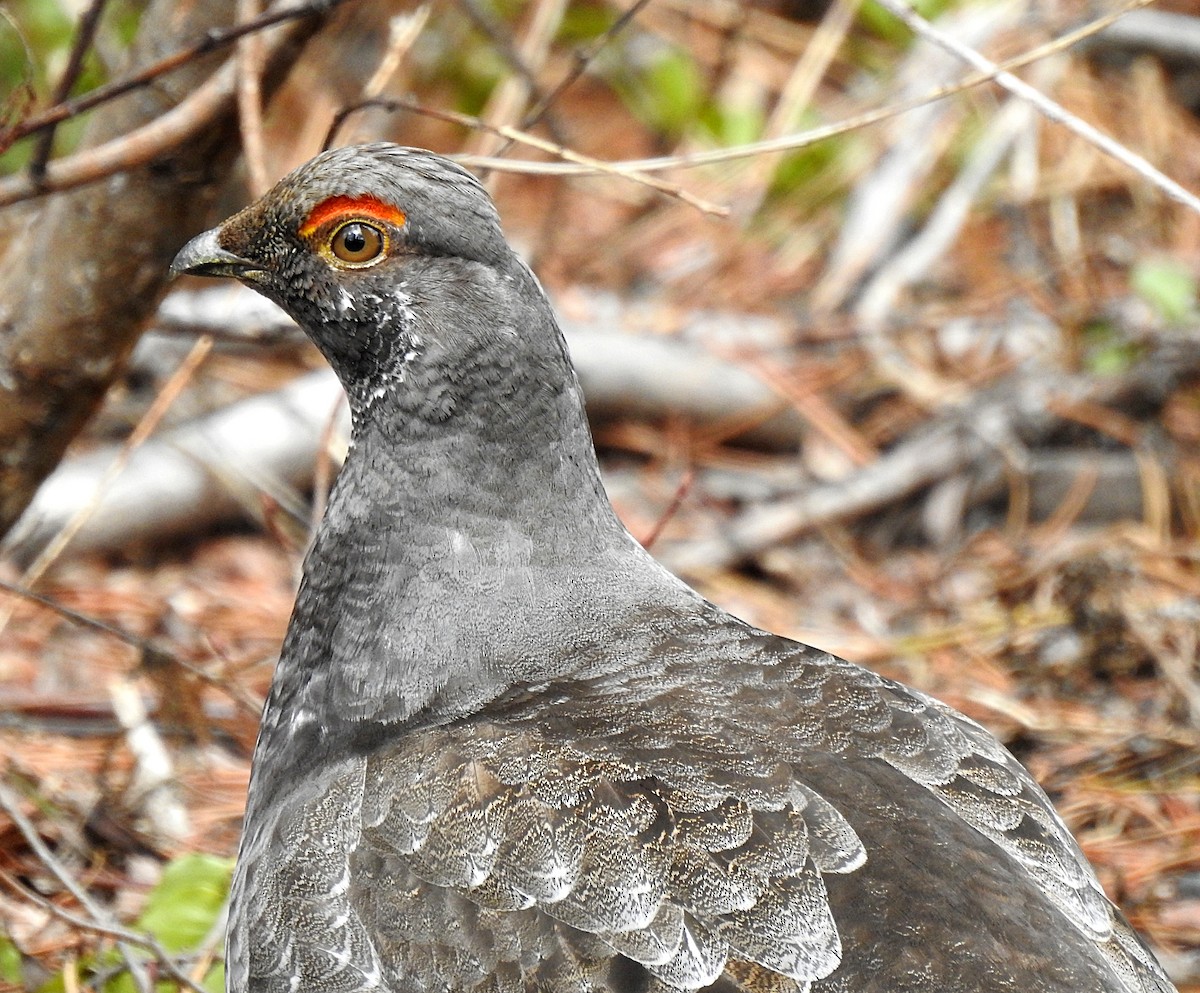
(468, 418)
(385, 254)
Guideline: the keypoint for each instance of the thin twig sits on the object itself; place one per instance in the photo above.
(797, 94)
(11, 807)
(151, 791)
(251, 56)
(677, 498)
(211, 42)
(145, 427)
(130, 150)
(218, 677)
(20, 98)
(576, 164)
(509, 100)
(149, 650)
(517, 60)
(403, 32)
(810, 402)
(70, 614)
(581, 63)
(84, 37)
(1048, 108)
(106, 930)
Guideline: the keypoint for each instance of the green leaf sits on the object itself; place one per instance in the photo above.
(183, 907)
(180, 913)
(665, 91)
(730, 125)
(1166, 285)
(214, 982)
(584, 22)
(10, 963)
(1106, 351)
(672, 91)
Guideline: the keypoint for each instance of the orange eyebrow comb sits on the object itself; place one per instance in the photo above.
(364, 208)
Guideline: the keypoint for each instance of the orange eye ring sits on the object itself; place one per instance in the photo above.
(357, 244)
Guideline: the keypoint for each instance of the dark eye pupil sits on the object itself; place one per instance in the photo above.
(357, 243)
(354, 240)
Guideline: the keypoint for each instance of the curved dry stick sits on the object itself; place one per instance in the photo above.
(211, 42)
(1025, 407)
(802, 139)
(1048, 108)
(131, 150)
(84, 36)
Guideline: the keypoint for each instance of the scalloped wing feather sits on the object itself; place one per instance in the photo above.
(513, 857)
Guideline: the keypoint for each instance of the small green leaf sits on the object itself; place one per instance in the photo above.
(1166, 285)
(184, 905)
(672, 91)
(584, 22)
(1106, 351)
(730, 125)
(214, 982)
(10, 963)
(662, 88)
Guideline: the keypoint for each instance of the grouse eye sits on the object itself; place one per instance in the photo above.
(357, 243)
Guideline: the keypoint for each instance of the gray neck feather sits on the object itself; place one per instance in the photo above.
(468, 546)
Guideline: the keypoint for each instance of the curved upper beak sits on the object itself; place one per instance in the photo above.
(203, 256)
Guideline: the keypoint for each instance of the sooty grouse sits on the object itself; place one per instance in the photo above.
(505, 750)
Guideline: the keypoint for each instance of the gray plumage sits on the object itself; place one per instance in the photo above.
(505, 750)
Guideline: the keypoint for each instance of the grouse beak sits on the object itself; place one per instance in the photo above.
(204, 256)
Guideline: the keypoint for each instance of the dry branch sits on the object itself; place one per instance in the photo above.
(264, 450)
(220, 466)
(977, 436)
(190, 477)
(79, 282)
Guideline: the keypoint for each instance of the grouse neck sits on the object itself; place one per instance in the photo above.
(473, 411)
(466, 540)
(494, 478)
